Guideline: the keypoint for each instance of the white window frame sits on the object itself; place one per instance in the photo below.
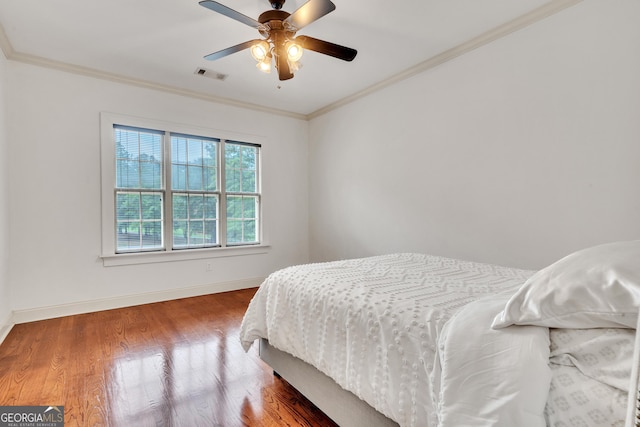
(109, 255)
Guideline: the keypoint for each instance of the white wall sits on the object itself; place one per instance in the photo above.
(54, 130)
(516, 153)
(5, 304)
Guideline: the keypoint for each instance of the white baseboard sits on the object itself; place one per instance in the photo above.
(50, 312)
(5, 327)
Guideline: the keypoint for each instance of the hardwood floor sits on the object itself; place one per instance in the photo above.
(174, 363)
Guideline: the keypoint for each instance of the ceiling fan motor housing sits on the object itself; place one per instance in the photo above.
(273, 15)
(275, 28)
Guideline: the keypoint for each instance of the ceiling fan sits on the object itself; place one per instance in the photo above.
(279, 29)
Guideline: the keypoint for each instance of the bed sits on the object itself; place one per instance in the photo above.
(420, 340)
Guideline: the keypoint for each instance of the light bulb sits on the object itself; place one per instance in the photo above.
(265, 64)
(260, 50)
(294, 51)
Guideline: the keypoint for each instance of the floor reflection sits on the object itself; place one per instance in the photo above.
(209, 382)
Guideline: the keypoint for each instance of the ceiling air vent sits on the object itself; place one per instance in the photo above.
(210, 73)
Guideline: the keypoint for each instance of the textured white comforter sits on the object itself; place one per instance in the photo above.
(373, 325)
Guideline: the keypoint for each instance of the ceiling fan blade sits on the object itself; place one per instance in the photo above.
(282, 65)
(233, 14)
(327, 48)
(228, 51)
(309, 12)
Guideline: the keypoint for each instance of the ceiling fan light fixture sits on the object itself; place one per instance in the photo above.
(294, 51)
(260, 50)
(265, 64)
(294, 66)
(278, 29)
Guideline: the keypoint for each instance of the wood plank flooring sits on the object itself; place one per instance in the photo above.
(174, 363)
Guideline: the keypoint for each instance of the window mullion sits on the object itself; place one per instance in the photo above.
(167, 193)
(223, 195)
(140, 221)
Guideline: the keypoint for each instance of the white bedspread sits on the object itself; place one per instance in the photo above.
(373, 325)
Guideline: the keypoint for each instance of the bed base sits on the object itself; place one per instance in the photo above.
(342, 406)
(347, 410)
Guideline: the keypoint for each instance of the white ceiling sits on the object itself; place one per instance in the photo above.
(162, 43)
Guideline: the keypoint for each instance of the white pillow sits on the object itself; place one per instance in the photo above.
(598, 287)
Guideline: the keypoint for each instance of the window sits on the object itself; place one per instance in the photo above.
(241, 172)
(194, 191)
(173, 190)
(139, 189)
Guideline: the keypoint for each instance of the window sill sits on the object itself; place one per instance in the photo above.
(181, 255)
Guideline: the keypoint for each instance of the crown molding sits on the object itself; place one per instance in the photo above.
(25, 58)
(492, 35)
